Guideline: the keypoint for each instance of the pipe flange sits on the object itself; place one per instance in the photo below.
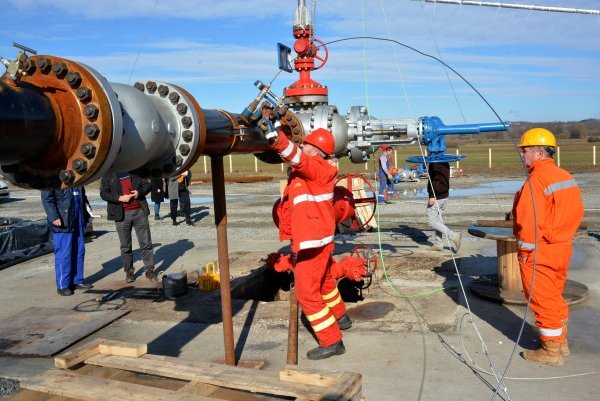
(185, 122)
(84, 125)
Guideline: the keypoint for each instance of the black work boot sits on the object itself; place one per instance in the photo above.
(326, 352)
(130, 275)
(344, 322)
(150, 273)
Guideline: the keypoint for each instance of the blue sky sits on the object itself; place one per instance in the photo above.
(531, 66)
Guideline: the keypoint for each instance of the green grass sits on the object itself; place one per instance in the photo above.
(575, 156)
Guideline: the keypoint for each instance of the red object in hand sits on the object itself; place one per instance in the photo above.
(280, 262)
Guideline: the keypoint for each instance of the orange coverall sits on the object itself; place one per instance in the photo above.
(547, 212)
(307, 218)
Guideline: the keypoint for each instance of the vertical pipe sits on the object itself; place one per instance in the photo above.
(218, 178)
(558, 155)
(292, 350)
(458, 161)
(490, 158)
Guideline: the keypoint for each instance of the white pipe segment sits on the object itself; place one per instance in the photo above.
(517, 6)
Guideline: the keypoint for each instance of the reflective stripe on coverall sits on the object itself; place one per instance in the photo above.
(557, 216)
(307, 204)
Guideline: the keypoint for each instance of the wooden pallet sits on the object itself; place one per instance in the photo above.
(363, 211)
(195, 381)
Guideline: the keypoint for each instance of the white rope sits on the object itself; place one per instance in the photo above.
(137, 57)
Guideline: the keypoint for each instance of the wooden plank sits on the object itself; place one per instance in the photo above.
(314, 377)
(123, 348)
(348, 388)
(45, 332)
(219, 375)
(65, 383)
(78, 355)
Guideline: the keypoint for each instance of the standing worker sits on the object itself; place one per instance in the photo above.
(547, 212)
(307, 219)
(386, 178)
(157, 195)
(438, 188)
(125, 196)
(179, 193)
(67, 217)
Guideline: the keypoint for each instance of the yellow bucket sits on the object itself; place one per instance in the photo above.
(210, 279)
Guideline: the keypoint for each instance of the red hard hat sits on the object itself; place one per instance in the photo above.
(322, 139)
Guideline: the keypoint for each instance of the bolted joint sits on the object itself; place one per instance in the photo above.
(163, 90)
(91, 130)
(186, 121)
(139, 86)
(60, 69)
(73, 79)
(88, 149)
(187, 135)
(151, 86)
(184, 149)
(174, 97)
(79, 165)
(67, 176)
(29, 67)
(84, 94)
(45, 65)
(91, 111)
(181, 109)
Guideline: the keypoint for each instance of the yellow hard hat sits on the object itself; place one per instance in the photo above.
(538, 137)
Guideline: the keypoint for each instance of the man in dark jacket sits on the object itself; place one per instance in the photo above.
(438, 188)
(125, 195)
(157, 195)
(67, 217)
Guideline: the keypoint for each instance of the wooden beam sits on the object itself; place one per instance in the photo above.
(123, 349)
(65, 383)
(313, 377)
(232, 377)
(78, 354)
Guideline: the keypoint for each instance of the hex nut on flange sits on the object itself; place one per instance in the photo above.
(84, 94)
(73, 79)
(88, 150)
(67, 176)
(79, 165)
(91, 111)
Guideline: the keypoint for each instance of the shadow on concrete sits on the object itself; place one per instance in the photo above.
(199, 212)
(167, 254)
(496, 314)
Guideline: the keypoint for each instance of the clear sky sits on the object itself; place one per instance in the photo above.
(530, 66)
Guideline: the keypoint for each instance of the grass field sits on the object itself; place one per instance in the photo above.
(575, 155)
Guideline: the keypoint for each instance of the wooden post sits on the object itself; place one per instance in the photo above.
(457, 162)
(281, 167)
(490, 158)
(558, 156)
(366, 166)
(205, 169)
(594, 155)
(509, 272)
(395, 159)
(256, 164)
(230, 164)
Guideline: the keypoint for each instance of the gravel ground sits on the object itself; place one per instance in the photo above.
(8, 386)
(249, 214)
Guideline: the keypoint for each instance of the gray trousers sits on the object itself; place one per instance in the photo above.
(137, 220)
(434, 218)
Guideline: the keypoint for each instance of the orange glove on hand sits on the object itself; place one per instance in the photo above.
(351, 267)
(280, 262)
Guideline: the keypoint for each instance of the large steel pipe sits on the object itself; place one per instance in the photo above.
(27, 123)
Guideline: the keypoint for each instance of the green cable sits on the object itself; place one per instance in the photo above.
(398, 293)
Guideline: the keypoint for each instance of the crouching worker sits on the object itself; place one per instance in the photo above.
(307, 219)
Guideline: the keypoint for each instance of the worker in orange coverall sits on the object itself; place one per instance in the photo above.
(307, 219)
(547, 212)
